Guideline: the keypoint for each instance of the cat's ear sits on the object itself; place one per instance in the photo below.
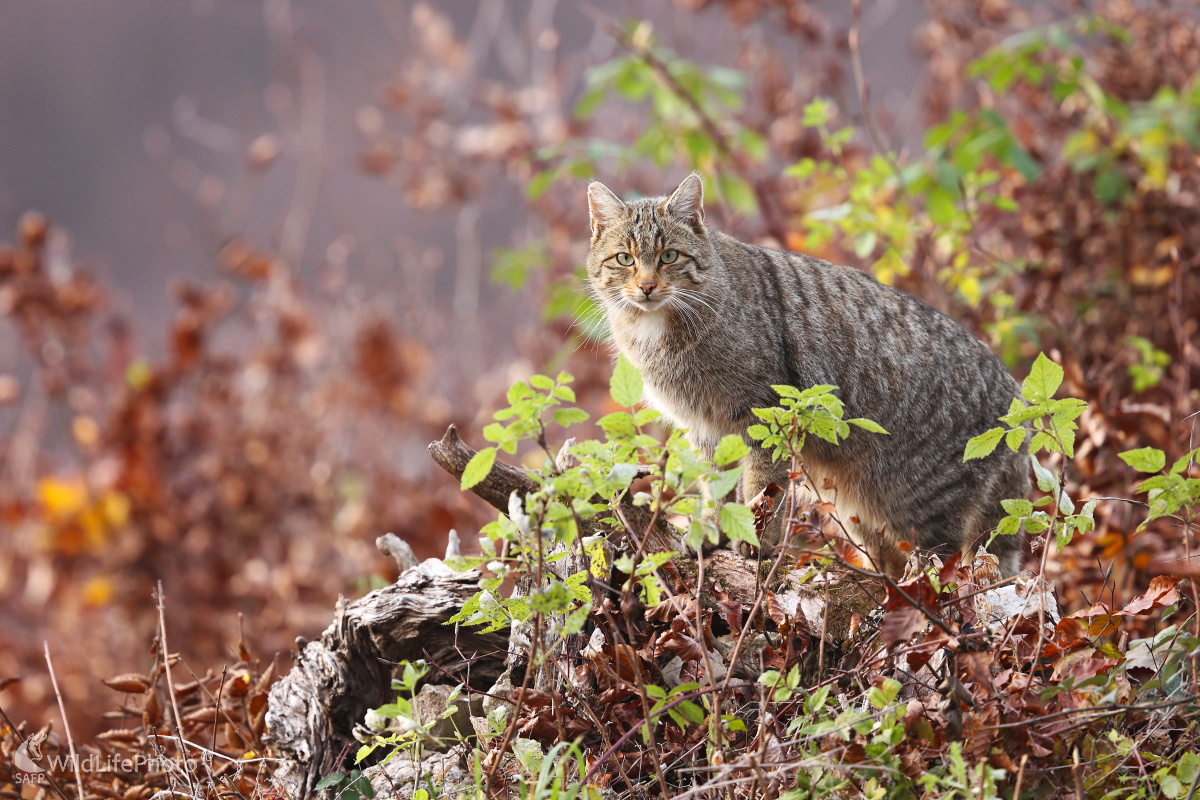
(687, 202)
(604, 206)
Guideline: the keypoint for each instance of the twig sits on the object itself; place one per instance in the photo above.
(217, 707)
(1020, 777)
(512, 725)
(864, 89)
(62, 710)
(166, 652)
(711, 129)
(1077, 773)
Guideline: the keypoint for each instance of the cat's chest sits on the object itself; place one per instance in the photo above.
(679, 387)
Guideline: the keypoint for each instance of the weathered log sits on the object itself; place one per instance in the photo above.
(337, 678)
(452, 455)
(313, 711)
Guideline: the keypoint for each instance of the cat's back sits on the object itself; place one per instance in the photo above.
(885, 349)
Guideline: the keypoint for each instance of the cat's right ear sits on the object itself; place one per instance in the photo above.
(604, 206)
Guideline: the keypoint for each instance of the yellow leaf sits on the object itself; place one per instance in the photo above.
(62, 499)
(116, 509)
(98, 591)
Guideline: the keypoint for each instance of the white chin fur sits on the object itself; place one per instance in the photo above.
(648, 324)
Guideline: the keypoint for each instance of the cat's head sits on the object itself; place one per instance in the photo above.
(650, 255)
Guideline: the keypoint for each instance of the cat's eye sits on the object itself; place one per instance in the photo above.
(669, 256)
(624, 259)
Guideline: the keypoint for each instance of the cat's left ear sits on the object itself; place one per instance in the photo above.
(687, 202)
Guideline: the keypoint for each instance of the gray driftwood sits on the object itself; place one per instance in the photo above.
(348, 670)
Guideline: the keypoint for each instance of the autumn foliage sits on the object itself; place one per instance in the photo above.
(1048, 198)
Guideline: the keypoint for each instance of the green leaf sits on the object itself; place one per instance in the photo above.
(867, 425)
(1044, 477)
(1017, 508)
(478, 467)
(646, 415)
(1188, 768)
(332, 779)
(738, 523)
(1044, 379)
(983, 444)
(758, 432)
(1145, 459)
(541, 382)
(1008, 526)
(730, 449)
(1171, 786)
(617, 425)
(626, 383)
(1015, 438)
(724, 482)
(569, 416)
(691, 711)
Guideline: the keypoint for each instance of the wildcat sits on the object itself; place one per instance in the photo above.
(713, 322)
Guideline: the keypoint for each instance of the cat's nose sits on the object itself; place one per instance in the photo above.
(647, 288)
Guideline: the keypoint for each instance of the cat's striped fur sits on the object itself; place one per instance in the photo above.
(715, 328)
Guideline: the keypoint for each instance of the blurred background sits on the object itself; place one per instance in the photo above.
(262, 253)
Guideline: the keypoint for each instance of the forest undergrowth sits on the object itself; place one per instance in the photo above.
(1049, 199)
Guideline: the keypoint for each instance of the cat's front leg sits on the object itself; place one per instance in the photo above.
(706, 447)
(759, 470)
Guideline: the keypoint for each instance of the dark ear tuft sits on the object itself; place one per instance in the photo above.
(604, 206)
(687, 202)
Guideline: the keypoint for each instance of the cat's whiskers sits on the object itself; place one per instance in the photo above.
(692, 294)
(685, 313)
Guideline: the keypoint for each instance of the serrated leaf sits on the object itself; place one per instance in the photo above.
(693, 712)
(1017, 507)
(1044, 379)
(983, 444)
(626, 384)
(737, 522)
(1015, 438)
(867, 425)
(478, 467)
(646, 415)
(541, 382)
(1045, 478)
(758, 432)
(731, 448)
(1145, 459)
(569, 416)
(564, 393)
(725, 482)
(1008, 526)
(617, 425)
